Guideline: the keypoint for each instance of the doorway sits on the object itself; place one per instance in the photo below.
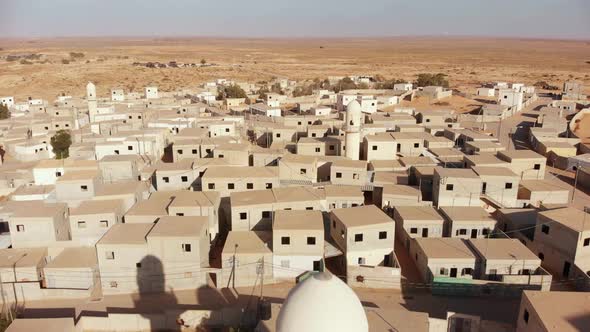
(424, 232)
(566, 269)
(474, 233)
(453, 272)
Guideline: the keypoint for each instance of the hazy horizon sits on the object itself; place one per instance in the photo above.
(536, 19)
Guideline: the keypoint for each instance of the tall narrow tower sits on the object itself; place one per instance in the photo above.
(352, 130)
(91, 99)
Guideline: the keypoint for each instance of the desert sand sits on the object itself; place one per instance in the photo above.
(108, 62)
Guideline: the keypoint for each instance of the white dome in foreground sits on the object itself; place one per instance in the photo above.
(322, 303)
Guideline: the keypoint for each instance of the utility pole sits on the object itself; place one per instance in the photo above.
(4, 303)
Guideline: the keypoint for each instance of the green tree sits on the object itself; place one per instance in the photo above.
(61, 142)
(4, 112)
(231, 91)
(344, 84)
(388, 84)
(203, 61)
(439, 79)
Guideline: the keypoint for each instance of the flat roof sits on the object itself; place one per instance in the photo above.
(570, 217)
(350, 163)
(241, 172)
(97, 207)
(126, 234)
(343, 191)
(561, 311)
(521, 154)
(179, 226)
(252, 197)
(456, 172)
(466, 213)
(543, 185)
(422, 213)
(44, 324)
(78, 175)
(297, 194)
(364, 215)
(445, 247)
(503, 249)
(298, 219)
(248, 242)
(21, 257)
(75, 257)
(494, 171)
(400, 190)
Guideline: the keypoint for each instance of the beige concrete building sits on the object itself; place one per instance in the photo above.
(226, 180)
(562, 241)
(365, 234)
(298, 242)
(348, 172)
(92, 219)
(246, 256)
(553, 311)
(35, 224)
(76, 186)
(499, 184)
(175, 176)
(417, 222)
(298, 169)
(443, 258)
(121, 167)
(72, 268)
(456, 187)
(526, 163)
(467, 222)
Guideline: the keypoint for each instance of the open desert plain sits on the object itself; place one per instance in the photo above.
(64, 65)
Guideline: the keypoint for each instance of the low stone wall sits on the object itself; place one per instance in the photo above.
(364, 276)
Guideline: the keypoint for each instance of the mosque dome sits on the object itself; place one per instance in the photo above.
(353, 114)
(322, 303)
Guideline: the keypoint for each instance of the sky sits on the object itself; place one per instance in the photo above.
(568, 19)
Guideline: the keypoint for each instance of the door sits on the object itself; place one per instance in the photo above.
(386, 260)
(566, 269)
(453, 272)
(483, 188)
(316, 265)
(474, 233)
(424, 232)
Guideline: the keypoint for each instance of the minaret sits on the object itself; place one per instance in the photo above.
(352, 130)
(91, 99)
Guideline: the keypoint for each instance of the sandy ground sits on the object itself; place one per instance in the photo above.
(108, 62)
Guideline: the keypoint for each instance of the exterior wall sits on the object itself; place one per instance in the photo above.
(70, 278)
(432, 268)
(291, 266)
(292, 171)
(45, 176)
(93, 229)
(246, 268)
(379, 150)
(39, 232)
(456, 229)
(176, 180)
(497, 189)
(72, 190)
(464, 192)
(348, 176)
(126, 258)
(254, 219)
(534, 323)
(240, 184)
(119, 171)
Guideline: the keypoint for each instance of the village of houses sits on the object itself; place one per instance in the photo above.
(165, 192)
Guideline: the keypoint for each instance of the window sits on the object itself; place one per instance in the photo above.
(116, 151)
(361, 260)
(526, 316)
(355, 176)
(450, 187)
(302, 171)
(81, 224)
(466, 271)
(20, 228)
(266, 214)
(545, 229)
(311, 240)
(331, 147)
(333, 223)
(180, 151)
(221, 156)
(186, 247)
(537, 166)
(243, 215)
(211, 186)
(313, 135)
(249, 185)
(485, 231)
(442, 271)
(317, 149)
(374, 147)
(416, 145)
(230, 186)
(58, 174)
(104, 223)
(278, 135)
(184, 178)
(462, 231)
(227, 130)
(358, 237)
(338, 175)
(113, 284)
(587, 242)
(138, 265)
(110, 255)
(178, 214)
(269, 185)
(413, 230)
(166, 179)
(427, 120)
(508, 185)
(285, 240)
(129, 147)
(382, 235)
(194, 151)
